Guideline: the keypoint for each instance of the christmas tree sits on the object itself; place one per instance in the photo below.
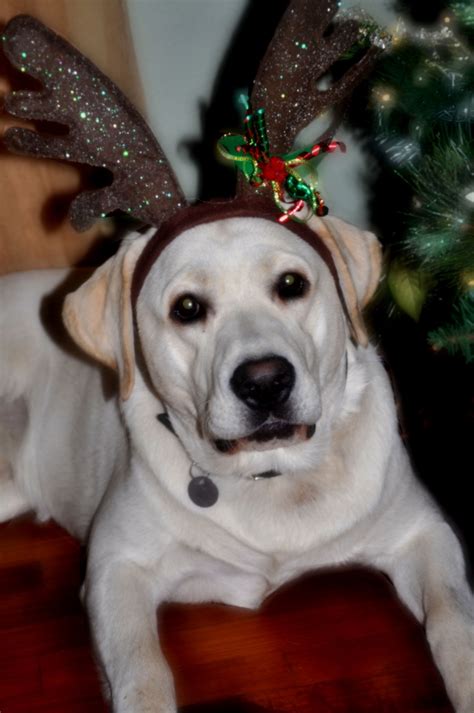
(422, 112)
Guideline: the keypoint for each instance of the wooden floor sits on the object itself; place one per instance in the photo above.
(336, 642)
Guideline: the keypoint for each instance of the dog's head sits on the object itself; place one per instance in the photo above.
(244, 324)
(245, 331)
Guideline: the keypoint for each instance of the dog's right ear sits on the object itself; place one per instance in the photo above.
(99, 314)
(357, 256)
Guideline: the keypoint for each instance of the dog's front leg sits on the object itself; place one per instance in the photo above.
(122, 601)
(429, 574)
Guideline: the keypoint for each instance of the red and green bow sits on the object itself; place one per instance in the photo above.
(251, 154)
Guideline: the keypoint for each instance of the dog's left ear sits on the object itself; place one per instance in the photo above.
(99, 314)
(357, 255)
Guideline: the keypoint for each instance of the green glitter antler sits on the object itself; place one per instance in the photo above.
(304, 49)
(105, 130)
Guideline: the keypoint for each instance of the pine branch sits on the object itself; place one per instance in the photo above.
(457, 337)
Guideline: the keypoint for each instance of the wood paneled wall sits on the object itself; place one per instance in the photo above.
(35, 194)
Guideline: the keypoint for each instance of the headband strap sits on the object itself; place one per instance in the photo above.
(210, 212)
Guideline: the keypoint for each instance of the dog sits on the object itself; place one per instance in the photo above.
(251, 436)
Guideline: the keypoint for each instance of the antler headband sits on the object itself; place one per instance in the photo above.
(105, 130)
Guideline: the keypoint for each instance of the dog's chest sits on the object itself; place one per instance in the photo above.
(236, 574)
(244, 555)
(286, 520)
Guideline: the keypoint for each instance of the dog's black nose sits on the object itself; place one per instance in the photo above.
(263, 384)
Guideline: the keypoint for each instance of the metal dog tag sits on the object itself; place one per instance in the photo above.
(203, 491)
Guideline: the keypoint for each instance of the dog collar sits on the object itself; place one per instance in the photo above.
(202, 490)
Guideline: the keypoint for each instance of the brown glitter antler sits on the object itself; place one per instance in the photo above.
(301, 53)
(105, 130)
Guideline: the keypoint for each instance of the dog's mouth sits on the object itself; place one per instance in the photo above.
(267, 437)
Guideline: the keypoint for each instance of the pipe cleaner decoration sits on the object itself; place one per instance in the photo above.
(251, 155)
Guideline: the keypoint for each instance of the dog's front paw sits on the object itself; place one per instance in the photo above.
(141, 700)
(144, 696)
(452, 644)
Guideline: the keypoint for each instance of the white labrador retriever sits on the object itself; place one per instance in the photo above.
(243, 344)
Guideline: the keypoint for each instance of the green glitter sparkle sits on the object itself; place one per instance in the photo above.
(83, 114)
(125, 153)
(24, 55)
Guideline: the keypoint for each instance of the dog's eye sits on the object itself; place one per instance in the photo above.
(291, 285)
(187, 308)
